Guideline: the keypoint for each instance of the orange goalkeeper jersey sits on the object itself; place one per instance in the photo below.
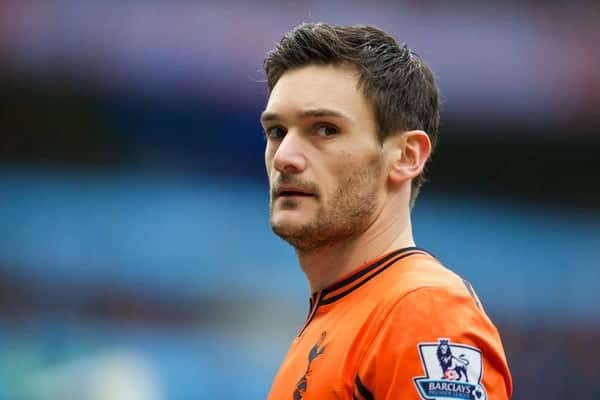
(400, 327)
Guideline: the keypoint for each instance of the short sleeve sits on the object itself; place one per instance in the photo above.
(434, 343)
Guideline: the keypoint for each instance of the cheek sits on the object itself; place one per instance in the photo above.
(347, 163)
(340, 173)
(352, 173)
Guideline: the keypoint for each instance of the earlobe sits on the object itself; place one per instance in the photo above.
(410, 151)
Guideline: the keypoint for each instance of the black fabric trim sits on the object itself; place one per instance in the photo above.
(366, 270)
(311, 301)
(315, 305)
(316, 299)
(350, 290)
(363, 390)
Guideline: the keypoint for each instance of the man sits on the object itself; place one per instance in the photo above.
(350, 122)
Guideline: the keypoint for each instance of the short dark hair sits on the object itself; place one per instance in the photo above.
(398, 83)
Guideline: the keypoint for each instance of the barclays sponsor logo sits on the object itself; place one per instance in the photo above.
(453, 371)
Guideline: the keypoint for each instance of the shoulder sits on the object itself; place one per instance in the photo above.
(419, 274)
(423, 300)
(419, 293)
(421, 309)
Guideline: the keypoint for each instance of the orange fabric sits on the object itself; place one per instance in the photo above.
(400, 327)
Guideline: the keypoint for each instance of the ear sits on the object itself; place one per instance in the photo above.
(408, 152)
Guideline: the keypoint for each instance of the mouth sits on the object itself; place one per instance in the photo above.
(292, 193)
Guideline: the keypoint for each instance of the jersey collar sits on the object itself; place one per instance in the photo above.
(357, 278)
(363, 274)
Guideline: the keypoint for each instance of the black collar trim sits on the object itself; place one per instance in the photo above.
(348, 285)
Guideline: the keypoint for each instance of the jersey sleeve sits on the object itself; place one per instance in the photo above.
(434, 343)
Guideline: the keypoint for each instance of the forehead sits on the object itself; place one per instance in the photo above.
(320, 87)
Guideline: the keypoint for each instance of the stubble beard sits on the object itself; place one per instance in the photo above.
(349, 212)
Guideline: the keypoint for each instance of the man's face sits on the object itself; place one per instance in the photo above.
(323, 157)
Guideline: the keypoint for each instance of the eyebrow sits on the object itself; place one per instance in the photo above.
(311, 113)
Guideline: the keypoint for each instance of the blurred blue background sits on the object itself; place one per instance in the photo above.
(136, 260)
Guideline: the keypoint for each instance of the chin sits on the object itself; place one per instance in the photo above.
(301, 232)
(294, 235)
(287, 223)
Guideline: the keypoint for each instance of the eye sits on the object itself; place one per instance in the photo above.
(275, 132)
(326, 130)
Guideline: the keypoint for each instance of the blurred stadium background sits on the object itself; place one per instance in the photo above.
(136, 260)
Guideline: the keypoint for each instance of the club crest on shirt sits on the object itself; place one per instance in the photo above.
(315, 351)
(453, 372)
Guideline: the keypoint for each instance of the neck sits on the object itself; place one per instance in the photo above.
(326, 265)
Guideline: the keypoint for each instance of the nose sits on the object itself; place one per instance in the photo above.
(289, 156)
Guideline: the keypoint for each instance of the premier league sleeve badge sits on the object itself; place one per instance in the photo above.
(453, 372)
